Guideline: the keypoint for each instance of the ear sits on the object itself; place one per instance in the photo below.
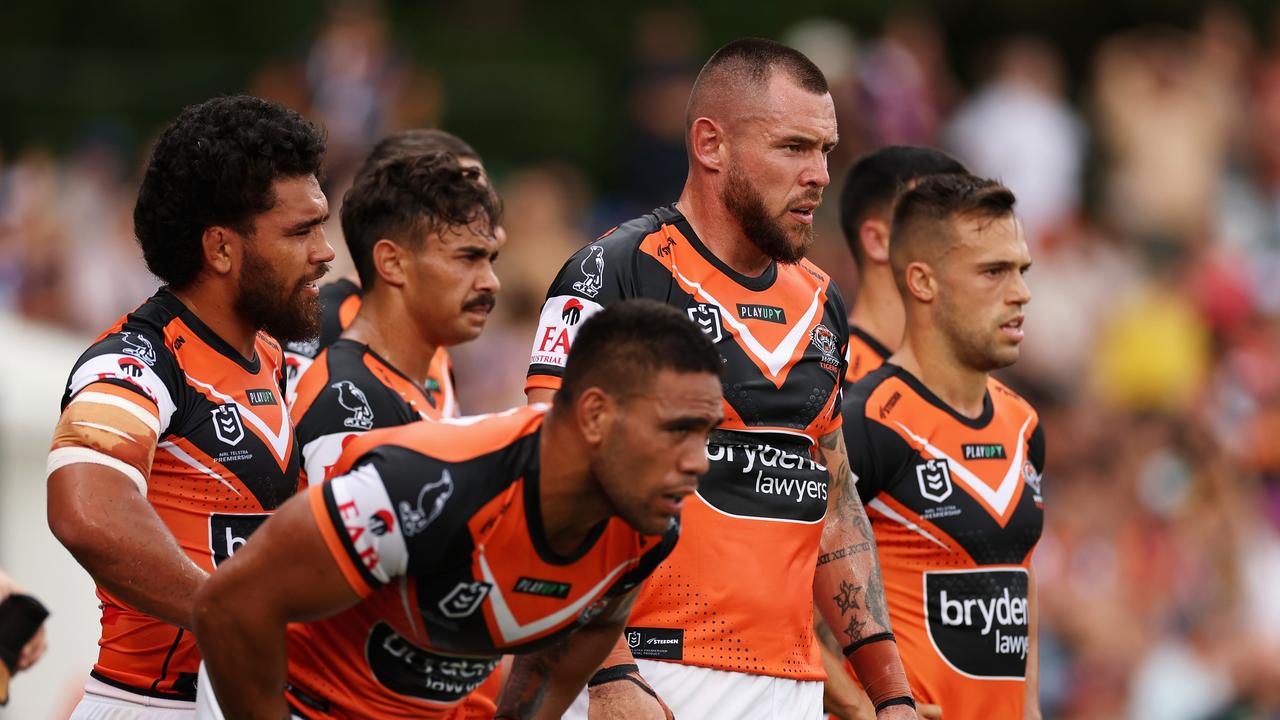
(921, 282)
(707, 144)
(874, 236)
(596, 411)
(222, 248)
(390, 261)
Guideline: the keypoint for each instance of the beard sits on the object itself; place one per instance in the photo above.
(764, 231)
(265, 299)
(973, 347)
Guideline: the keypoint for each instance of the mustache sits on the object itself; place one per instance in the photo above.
(320, 272)
(483, 300)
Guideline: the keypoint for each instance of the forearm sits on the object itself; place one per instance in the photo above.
(544, 684)
(115, 534)
(244, 654)
(841, 696)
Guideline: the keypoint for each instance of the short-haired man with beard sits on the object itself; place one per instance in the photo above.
(175, 442)
(724, 628)
(949, 460)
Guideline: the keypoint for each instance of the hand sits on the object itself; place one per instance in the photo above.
(859, 707)
(624, 700)
(929, 712)
(899, 712)
(36, 646)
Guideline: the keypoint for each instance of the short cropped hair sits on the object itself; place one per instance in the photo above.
(622, 347)
(417, 141)
(923, 216)
(407, 198)
(746, 64)
(877, 178)
(216, 164)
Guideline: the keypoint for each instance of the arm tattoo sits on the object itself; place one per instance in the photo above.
(875, 601)
(843, 552)
(526, 688)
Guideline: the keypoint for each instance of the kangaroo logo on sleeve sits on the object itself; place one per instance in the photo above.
(592, 272)
(431, 502)
(226, 423)
(353, 398)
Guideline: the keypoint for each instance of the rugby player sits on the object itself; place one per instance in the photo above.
(949, 460)
(526, 533)
(340, 300)
(875, 325)
(724, 628)
(174, 441)
(420, 229)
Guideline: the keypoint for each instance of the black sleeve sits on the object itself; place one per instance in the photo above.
(857, 443)
(1036, 448)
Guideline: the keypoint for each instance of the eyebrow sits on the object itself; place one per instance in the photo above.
(307, 224)
(691, 423)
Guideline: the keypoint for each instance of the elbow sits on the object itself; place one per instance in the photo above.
(74, 530)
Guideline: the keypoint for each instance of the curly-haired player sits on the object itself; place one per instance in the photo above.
(174, 442)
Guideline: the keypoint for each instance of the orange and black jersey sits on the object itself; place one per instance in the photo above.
(339, 302)
(865, 354)
(956, 508)
(348, 390)
(437, 526)
(758, 514)
(224, 457)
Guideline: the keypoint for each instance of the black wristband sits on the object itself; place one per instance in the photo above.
(904, 700)
(612, 673)
(850, 649)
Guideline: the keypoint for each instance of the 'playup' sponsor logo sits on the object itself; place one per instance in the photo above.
(545, 588)
(768, 313)
(983, 451)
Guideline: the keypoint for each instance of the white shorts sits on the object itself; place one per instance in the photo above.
(207, 707)
(105, 702)
(697, 693)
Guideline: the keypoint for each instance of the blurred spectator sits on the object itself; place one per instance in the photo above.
(1019, 128)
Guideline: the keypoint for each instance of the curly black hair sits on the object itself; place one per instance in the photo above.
(408, 197)
(216, 165)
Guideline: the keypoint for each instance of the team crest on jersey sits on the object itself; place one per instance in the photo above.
(226, 423)
(825, 341)
(592, 272)
(138, 346)
(464, 599)
(935, 480)
(431, 500)
(1032, 479)
(356, 402)
(707, 318)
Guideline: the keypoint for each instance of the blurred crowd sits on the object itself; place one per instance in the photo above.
(1150, 192)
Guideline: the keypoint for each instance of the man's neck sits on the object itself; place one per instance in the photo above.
(926, 355)
(877, 309)
(570, 499)
(215, 306)
(381, 324)
(720, 232)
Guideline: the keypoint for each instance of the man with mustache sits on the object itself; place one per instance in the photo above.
(175, 442)
(340, 300)
(422, 232)
(949, 460)
(724, 628)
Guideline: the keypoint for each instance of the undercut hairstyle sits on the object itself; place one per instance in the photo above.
(409, 197)
(743, 68)
(621, 348)
(875, 181)
(215, 165)
(923, 219)
(418, 141)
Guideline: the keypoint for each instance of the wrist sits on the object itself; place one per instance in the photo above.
(876, 662)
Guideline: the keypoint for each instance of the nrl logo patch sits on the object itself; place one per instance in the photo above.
(226, 424)
(464, 599)
(934, 477)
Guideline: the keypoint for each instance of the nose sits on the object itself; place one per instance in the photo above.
(1020, 292)
(488, 280)
(693, 459)
(816, 174)
(323, 251)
